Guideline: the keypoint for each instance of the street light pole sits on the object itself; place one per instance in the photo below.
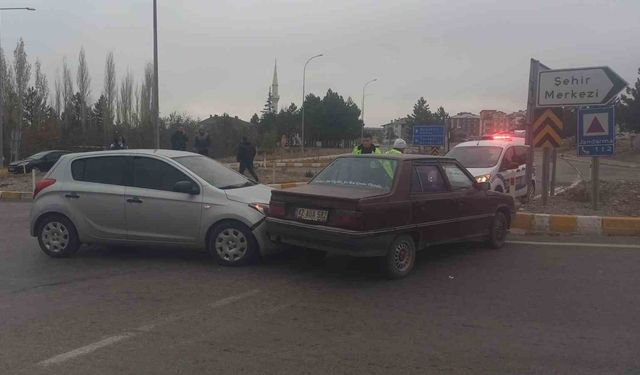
(304, 76)
(2, 97)
(363, 88)
(156, 104)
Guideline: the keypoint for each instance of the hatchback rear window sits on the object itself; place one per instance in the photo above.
(103, 170)
(359, 173)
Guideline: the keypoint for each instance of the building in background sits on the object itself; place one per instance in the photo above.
(517, 120)
(398, 128)
(493, 121)
(464, 125)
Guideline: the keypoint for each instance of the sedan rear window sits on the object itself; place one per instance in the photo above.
(476, 156)
(359, 173)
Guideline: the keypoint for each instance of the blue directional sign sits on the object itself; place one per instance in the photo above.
(429, 135)
(596, 131)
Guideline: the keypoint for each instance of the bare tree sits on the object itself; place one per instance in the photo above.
(22, 70)
(84, 86)
(109, 93)
(125, 100)
(67, 85)
(57, 95)
(145, 107)
(42, 84)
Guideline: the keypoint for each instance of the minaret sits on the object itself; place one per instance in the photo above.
(275, 97)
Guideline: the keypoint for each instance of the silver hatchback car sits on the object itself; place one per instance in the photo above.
(150, 197)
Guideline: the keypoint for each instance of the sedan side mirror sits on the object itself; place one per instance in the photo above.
(187, 187)
(483, 186)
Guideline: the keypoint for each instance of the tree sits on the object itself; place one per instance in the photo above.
(145, 104)
(255, 120)
(441, 116)
(84, 86)
(22, 70)
(421, 115)
(109, 94)
(57, 95)
(67, 93)
(629, 108)
(125, 101)
(268, 106)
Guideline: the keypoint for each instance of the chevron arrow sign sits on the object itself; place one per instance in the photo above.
(547, 128)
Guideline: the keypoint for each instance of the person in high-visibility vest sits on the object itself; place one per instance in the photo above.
(398, 147)
(366, 147)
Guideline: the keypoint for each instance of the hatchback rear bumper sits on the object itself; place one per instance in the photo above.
(333, 240)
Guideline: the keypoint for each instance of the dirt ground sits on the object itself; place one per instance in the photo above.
(617, 198)
(11, 182)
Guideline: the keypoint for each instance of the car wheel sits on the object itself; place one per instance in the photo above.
(58, 237)
(400, 258)
(233, 244)
(499, 228)
(315, 257)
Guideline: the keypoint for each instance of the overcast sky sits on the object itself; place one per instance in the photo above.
(217, 55)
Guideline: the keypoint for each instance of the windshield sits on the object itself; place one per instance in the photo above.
(359, 173)
(476, 156)
(213, 172)
(39, 155)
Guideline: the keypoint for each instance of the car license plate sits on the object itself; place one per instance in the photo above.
(309, 214)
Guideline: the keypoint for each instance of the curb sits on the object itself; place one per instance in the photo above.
(572, 224)
(16, 196)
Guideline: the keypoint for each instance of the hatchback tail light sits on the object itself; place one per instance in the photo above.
(351, 220)
(277, 209)
(43, 184)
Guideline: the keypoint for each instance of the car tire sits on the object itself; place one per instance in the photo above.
(57, 236)
(315, 257)
(400, 257)
(232, 244)
(499, 229)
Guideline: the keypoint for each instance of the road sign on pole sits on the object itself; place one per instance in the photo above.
(429, 135)
(596, 133)
(578, 87)
(547, 127)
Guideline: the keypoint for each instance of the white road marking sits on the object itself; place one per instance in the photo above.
(86, 349)
(578, 244)
(145, 328)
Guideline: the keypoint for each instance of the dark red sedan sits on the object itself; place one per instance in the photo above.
(389, 206)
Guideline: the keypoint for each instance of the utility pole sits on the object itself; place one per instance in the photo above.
(156, 104)
(304, 76)
(363, 94)
(2, 96)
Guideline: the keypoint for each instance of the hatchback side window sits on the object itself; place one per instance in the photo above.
(427, 179)
(155, 174)
(508, 160)
(457, 178)
(521, 154)
(103, 170)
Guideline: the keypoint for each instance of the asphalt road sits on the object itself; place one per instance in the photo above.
(541, 307)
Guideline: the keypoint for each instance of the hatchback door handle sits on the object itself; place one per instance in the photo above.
(134, 200)
(72, 195)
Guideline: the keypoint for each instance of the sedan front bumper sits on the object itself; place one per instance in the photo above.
(333, 240)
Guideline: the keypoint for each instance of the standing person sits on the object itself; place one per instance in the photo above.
(119, 143)
(399, 145)
(246, 155)
(179, 140)
(201, 142)
(366, 147)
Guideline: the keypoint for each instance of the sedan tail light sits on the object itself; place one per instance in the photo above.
(351, 220)
(277, 209)
(43, 184)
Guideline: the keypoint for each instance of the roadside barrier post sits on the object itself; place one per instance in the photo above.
(512, 187)
(33, 179)
(595, 181)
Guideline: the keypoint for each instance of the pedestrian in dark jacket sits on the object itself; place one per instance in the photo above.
(179, 140)
(202, 142)
(246, 155)
(119, 143)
